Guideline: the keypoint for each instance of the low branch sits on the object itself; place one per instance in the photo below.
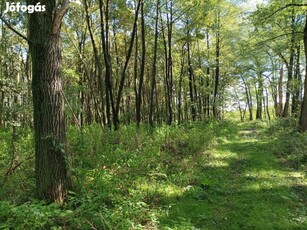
(12, 169)
(14, 30)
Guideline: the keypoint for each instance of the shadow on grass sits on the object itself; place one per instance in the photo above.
(246, 188)
(251, 209)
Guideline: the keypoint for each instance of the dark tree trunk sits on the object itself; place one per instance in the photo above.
(280, 90)
(154, 70)
(191, 78)
(98, 66)
(259, 96)
(217, 70)
(52, 181)
(142, 69)
(123, 74)
(297, 84)
(303, 116)
(180, 86)
(248, 99)
(266, 100)
(107, 60)
(290, 70)
(168, 61)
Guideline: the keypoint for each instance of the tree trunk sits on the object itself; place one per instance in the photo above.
(297, 84)
(123, 75)
(142, 68)
(191, 78)
(248, 99)
(52, 181)
(217, 70)
(280, 90)
(259, 97)
(290, 70)
(98, 66)
(180, 86)
(154, 70)
(303, 116)
(107, 60)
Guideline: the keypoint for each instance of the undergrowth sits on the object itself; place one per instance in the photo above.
(169, 177)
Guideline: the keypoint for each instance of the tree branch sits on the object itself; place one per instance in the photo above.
(13, 168)
(278, 36)
(14, 30)
(284, 7)
(59, 14)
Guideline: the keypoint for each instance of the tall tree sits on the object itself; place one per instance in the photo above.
(142, 68)
(52, 181)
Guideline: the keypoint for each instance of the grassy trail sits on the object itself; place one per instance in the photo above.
(242, 185)
(215, 175)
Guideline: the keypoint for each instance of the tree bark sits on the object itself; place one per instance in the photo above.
(154, 70)
(290, 70)
(123, 75)
(142, 69)
(191, 79)
(303, 116)
(259, 96)
(52, 181)
(280, 90)
(297, 84)
(217, 70)
(107, 60)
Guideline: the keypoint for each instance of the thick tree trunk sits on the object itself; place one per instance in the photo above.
(52, 181)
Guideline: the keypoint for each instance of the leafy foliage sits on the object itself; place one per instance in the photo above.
(170, 177)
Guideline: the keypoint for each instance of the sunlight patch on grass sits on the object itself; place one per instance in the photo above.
(268, 179)
(266, 174)
(167, 190)
(218, 164)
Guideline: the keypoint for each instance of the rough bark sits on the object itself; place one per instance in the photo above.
(52, 181)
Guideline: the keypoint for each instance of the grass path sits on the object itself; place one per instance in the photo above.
(240, 184)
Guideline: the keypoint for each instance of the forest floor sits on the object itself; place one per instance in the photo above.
(245, 186)
(216, 175)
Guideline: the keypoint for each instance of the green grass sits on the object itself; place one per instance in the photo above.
(219, 175)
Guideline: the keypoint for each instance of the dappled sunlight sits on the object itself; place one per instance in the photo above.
(218, 164)
(163, 189)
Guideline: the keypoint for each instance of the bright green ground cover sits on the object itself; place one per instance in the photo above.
(225, 175)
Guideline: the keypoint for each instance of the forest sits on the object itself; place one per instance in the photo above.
(162, 114)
